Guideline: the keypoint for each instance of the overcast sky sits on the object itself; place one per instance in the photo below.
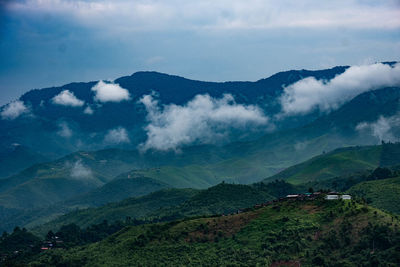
(53, 42)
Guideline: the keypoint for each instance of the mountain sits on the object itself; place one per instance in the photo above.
(310, 233)
(207, 165)
(117, 189)
(44, 184)
(16, 157)
(341, 162)
(86, 178)
(55, 130)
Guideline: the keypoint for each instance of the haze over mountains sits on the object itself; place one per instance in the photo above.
(88, 144)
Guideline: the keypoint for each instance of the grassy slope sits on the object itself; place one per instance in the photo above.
(383, 194)
(340, 162)
(313, 233)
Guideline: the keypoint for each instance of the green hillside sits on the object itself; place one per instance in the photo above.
(44, 186)
(116, 190)
(197, 167)
(203, 166)
(134, 208)
(341, 162)
(15, 158)
(222, 198)
(383, 194)
(246, 162)
(310, 233)
(168, 205)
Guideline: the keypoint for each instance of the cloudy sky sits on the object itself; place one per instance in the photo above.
(52, 42)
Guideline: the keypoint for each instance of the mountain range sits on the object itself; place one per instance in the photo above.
(154, 165)
(42, 176)
(79, 120)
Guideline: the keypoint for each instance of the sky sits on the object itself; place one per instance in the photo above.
(53, 42)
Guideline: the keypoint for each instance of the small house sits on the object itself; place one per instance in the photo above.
(346, 197)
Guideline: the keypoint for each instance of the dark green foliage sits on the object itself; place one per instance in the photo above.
(380, 173)
(73, 235)
(390, 154)
(17, 247)
(280, 188)
(319, 233)
(383, 194)
(18, 240)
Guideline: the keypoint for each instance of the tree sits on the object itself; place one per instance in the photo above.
(50, 235)
(381, 173)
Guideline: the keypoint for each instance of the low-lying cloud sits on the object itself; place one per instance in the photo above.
(384, 129)
(117, 136)
(88, 110)
(64, 130)
(110, 92)
(79, 171)
(203, 120)
(309, 94)
(67, 98)
(13, 110)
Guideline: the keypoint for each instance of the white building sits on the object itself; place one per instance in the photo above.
(332, 197)
(346, 197)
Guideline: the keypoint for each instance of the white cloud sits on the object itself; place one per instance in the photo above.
(88, 110)
(301, 145)
(13, 110)
(117, 136)
(64, 130)
(309, 93)
(203, 119)
(67, 98)
(110, 92)
(384, 129)
(79, 171)
(125, 15)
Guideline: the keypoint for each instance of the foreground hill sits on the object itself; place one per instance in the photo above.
(310, 233)
(173, 204)
(341, 162)
(134, 208)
